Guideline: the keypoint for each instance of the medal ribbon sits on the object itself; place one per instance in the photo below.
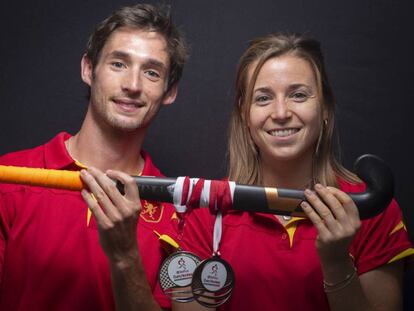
(218, 229)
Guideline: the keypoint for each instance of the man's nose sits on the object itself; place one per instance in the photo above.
(132, 82)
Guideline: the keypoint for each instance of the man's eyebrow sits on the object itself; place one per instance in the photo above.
(119, 54)
(156, 63)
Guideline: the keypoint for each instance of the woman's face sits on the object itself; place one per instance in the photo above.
(285, 115)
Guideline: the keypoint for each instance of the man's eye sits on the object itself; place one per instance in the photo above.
(153, 73)
(117, 64)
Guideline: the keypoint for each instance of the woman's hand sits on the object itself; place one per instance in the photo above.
(336, 218)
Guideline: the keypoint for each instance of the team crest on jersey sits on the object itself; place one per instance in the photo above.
(151, 212)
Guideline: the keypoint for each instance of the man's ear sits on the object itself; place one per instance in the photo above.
(86, 70)
(170, 96)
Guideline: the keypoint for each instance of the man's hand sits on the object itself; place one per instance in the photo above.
(116, 214)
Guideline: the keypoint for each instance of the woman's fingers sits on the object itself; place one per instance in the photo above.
(349, 206)
(346, 201)
(322, 208)
(333, 213)
(315, 219)
(331, 202)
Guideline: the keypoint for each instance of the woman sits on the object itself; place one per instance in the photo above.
(281, 134)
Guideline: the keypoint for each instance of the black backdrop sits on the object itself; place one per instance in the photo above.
(369, 48)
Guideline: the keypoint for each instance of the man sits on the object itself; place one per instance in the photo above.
(51, 243)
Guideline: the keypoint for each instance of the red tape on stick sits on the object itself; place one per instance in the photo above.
(194, 201)
(186, 189)
(220, 196)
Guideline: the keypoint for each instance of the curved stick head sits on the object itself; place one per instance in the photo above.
(379, 182)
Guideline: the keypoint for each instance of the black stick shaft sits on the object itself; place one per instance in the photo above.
(246, 198)
(375, 199)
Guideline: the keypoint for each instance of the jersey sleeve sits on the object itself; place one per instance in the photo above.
(381, 240)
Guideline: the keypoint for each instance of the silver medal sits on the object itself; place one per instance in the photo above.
(213, 279)
(213, 282)
(176, 274)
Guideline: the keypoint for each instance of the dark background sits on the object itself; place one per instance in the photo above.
(369, 49)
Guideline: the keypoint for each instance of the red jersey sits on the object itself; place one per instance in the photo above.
(50, 256)
(277, 267)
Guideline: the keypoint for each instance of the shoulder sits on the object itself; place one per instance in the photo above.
(28, 157)
(49, 155)
(36, 156)
(381, 239)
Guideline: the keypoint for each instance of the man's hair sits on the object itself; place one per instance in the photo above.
(244, 157)
(146, 17)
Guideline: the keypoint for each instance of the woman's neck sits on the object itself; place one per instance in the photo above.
(294, 174)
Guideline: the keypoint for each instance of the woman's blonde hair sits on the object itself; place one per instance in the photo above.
(244, 159)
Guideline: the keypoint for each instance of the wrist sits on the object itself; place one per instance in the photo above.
(126, 261)
(336, 271)
(339, 285)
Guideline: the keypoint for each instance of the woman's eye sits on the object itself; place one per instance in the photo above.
(262, 98)
(299, 96)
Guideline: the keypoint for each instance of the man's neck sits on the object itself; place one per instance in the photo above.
(121, 151)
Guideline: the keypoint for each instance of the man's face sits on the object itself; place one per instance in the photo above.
(129, 83)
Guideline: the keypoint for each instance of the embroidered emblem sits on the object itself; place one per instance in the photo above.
(151, 212)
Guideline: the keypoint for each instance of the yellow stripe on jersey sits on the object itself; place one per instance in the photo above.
(89, 213)
(398, 227)
(88, 217)
(80, 164)
(406, 253)
(174, 216)
(291, 228)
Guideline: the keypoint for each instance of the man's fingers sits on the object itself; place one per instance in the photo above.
(130, 186)
(102, 189)
(128, 204)
(96, 210)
